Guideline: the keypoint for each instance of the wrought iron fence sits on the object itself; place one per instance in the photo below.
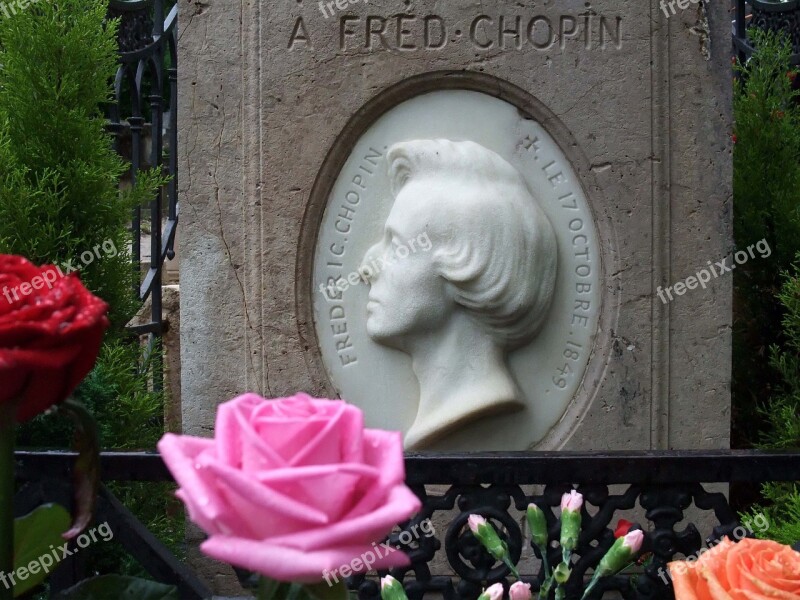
(774, 15)
(143, 120)
(665, 485)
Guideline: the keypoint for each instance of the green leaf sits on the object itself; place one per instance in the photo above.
(267, 588)
(323, 591)
(119, 588)
(34, 534)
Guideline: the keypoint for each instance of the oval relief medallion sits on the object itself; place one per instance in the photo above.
(456, 276)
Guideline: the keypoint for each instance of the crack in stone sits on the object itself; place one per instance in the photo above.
(702, 30)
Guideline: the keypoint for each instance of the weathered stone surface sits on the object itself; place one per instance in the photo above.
(263, 105)
(639, 101)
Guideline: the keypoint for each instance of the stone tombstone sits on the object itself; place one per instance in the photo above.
(461, 217)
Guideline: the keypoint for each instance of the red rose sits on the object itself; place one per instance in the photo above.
(51, 329)
(623, 527)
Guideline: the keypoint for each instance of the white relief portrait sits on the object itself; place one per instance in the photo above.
(481, 292)
(457, 277)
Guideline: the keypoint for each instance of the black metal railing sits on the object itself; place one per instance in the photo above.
(665, 487)
(143, 120)
(783, 15)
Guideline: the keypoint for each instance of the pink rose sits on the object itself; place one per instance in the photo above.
(293, 488)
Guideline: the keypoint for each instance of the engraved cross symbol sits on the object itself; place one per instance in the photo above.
(529, 143)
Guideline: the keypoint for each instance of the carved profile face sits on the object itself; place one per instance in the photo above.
(407, 295)
(493, 251)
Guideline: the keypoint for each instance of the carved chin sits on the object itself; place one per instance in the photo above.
(377, 332)
(380, 333)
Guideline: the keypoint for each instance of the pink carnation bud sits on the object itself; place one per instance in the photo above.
(520, 591)
(572, 501)
(633, 540)
(474, 522)
(493, 592)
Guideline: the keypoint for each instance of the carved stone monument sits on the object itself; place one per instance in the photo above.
(481, 269)
(457, 216)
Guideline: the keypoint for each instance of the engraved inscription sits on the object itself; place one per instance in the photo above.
(409, 32)
(336, 278)
(543, 33)
(404, 32)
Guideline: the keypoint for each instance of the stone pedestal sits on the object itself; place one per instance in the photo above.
(622, 107)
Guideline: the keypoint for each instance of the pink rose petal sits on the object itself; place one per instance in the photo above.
(206, 507)
(376, 525)
(287, 564)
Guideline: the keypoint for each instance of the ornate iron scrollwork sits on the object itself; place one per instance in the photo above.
(136, 24)
(473, 568)
(772, 16)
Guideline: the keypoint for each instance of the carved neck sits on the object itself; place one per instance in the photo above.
(462, 377)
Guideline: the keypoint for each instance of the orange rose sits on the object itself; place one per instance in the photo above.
(749, 570)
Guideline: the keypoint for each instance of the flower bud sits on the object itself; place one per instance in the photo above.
(621, 554)
(493, 592)
(572, 501)
(520, 591)
(391, 589)
(487, 536)
(475, 521)
(562, 572)
(571, 504)
(538, 526)
(634, 540)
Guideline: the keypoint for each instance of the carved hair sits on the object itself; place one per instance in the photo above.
(497, 249)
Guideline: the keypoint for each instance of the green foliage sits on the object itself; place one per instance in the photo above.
(783, 411)
(783, 514)
(766, 187)
(60, 201)
(60, 197)
(767, 152)
(766, 352)
(155, 505)
(35, 535)
(276, 590)
(133, 414)
(782, 415)
(59, 187)
(121, 588)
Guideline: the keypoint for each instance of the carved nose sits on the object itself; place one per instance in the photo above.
(369, 271)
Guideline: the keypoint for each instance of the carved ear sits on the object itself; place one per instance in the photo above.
(399, 171)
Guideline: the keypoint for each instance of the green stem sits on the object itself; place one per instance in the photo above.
(511, 566)
(7, 412)
(547, 584)
(265, 589)
(544, 591)
(590, 587)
